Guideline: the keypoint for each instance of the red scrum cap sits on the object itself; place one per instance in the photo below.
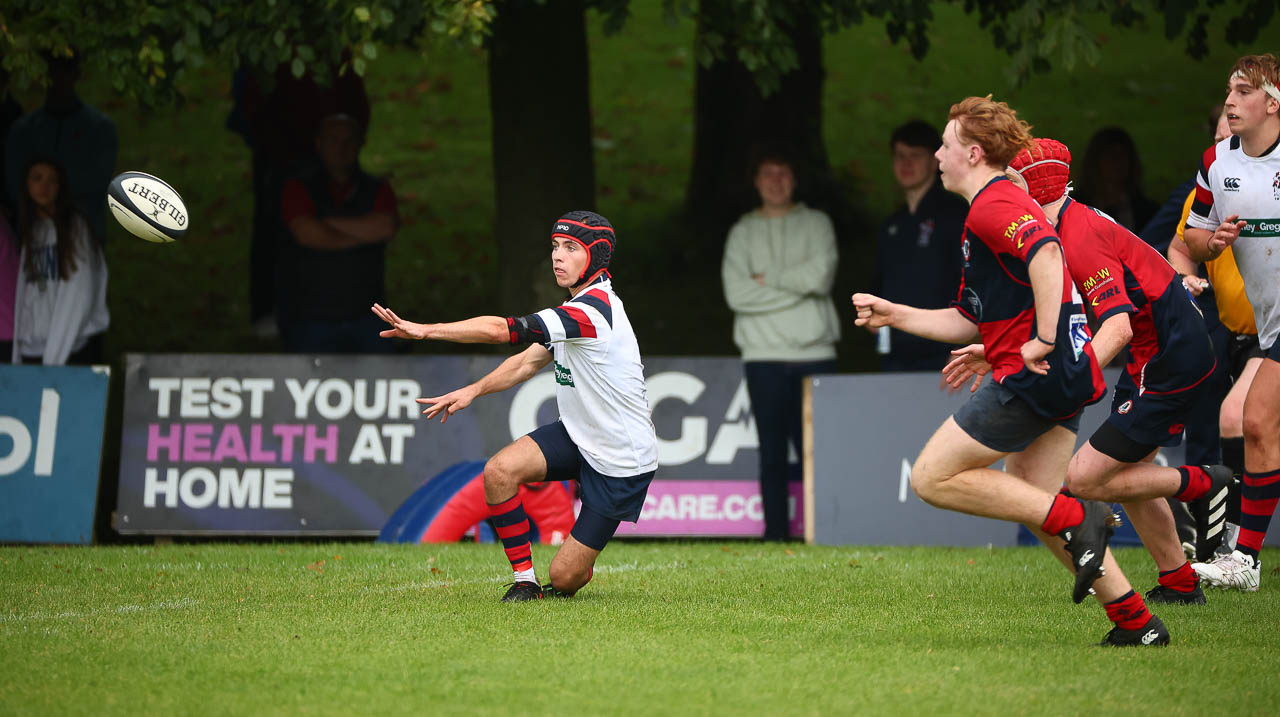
(1046, 167)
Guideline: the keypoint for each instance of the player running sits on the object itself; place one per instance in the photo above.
(1237, 205)
(1016, 295)
(604, 438)
(1135, 298)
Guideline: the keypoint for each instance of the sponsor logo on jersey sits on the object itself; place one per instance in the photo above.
(1030, 232)
(1113, 291)
(970, 297)
(1231, 184)
(1099, 278)
(564, 376)
(1079, 332)
(964, 248)
(1275, 187)
(1015, 224)
(1260, 227)
(1125, 408)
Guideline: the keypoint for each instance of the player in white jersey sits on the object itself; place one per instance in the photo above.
(604, 438)
(1237, 205)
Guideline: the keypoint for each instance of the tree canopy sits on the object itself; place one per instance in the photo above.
(146, 45)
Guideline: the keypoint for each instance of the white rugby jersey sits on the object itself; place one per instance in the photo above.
(600, 382)
(1232, 182)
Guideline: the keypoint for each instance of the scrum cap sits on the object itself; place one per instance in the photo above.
(595, 234)
(1046, 167)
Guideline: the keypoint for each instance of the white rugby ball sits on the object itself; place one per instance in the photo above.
(147, 207)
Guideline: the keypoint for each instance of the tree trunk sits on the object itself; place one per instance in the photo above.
(542, 156)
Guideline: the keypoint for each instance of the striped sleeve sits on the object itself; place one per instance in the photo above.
(573, 321)
(1202, 214)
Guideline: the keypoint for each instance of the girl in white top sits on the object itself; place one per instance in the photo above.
(61, 299)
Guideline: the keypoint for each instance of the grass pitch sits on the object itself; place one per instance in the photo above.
(681, 628)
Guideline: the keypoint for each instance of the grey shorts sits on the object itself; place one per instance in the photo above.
(1000, 420)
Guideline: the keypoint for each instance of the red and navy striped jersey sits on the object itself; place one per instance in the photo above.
(1002, 233)
(1117, 272)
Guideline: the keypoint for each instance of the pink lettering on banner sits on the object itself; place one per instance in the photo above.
(196, 438)
(230, 445)
(156, 442)
(257, 453)
(287, 433)
(721, 508)
(312, 443)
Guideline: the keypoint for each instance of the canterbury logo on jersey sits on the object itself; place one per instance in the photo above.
(1231, 184)
(1260, 228)
(564, 376)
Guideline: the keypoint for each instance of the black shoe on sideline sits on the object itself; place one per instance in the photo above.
(523, 590)
(1152, 634)
(1168, 596)
(1210, 511)
(1087, 544)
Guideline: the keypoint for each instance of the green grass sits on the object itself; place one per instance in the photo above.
(723, 628)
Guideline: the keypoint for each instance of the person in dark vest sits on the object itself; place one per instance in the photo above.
(332, 264)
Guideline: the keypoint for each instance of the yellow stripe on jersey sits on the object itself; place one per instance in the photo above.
(1234, 309)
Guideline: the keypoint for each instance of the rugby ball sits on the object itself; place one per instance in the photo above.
(147, 207)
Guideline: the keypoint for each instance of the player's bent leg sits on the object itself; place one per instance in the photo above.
(573, 564)
(519, 462)
(1177, 582)
(1231, 413)
(1044, 463)
(1241, 569)
(951, 472)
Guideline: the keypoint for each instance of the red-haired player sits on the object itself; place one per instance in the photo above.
(1017, 297)
(1136, 299)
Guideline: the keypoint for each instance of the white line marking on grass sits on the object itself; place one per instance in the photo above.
(122, 610)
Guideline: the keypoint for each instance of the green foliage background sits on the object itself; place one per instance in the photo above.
(431, 134)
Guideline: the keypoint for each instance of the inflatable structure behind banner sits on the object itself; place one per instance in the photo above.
(451, 505)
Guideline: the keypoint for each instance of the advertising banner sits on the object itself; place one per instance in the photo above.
(51, 421)
(866, 432)
(332, 445)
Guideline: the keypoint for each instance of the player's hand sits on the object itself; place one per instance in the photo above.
(967, 363)
(1033, 353)
(448, 404)
(401, 329)
(1226, 233)
(1194, 284)
(873, 312)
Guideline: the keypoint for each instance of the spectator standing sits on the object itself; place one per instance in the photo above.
(61, 298)
(278, 117)
(1111, 179)
(332, 266)
(918, 260)
(779, 264)
(81, 138)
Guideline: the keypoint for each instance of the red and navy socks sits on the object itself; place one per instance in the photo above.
(1258, 498)
(512, 525)
(1182, 579)
(1128, 611)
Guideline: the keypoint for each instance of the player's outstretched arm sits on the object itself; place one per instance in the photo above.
(945, 325)
(479, 330)
(516, 369)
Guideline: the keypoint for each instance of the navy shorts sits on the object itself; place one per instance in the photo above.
(1148, 421)
(1001, 420)
(1273, 353)
(1241, 348)
(605, 498)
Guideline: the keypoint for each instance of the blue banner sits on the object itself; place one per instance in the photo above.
(51, 421)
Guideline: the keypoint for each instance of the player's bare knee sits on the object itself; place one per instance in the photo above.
(1084, 486)
(1259, 428)
(1231, 417)
(568, 578)
(925, 481)
(499, 477)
